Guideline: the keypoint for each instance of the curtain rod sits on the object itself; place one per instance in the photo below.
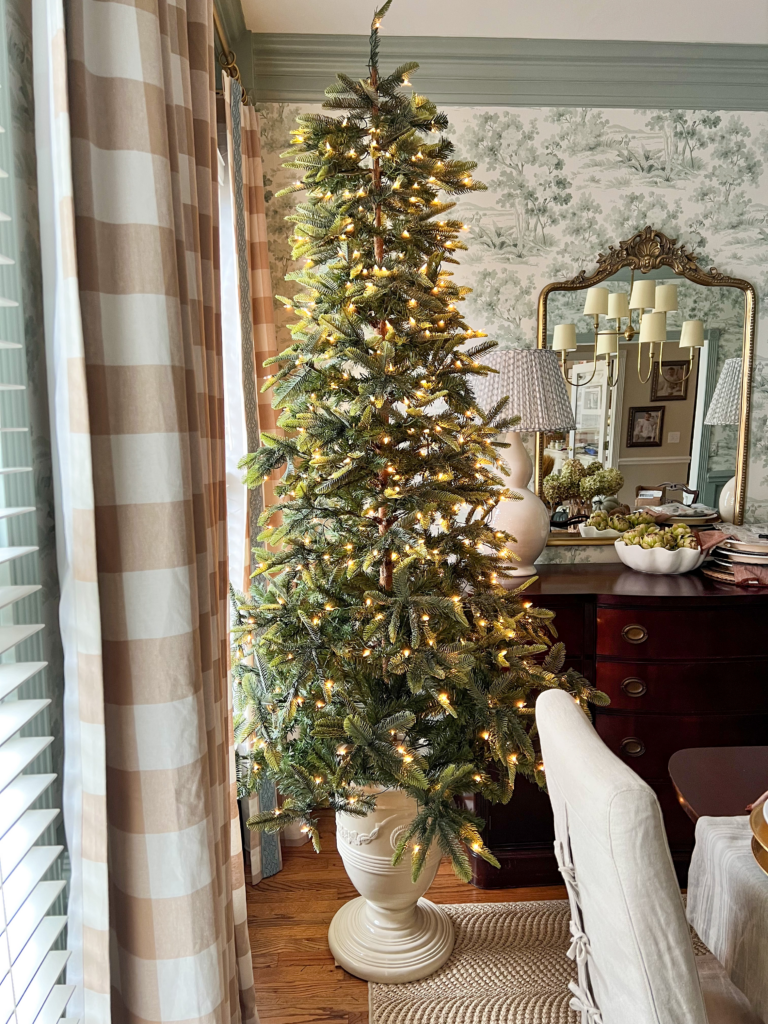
(228, 57)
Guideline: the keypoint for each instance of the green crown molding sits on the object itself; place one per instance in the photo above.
(521, 72)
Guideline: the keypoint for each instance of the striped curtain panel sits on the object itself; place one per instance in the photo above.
(257, 329)
(84, 784)
(255, 338)
(140, 388)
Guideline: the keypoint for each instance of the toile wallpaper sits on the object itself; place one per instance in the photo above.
(563, 184)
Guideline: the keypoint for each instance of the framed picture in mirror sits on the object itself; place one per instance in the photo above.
(644, 427)
(672, 384)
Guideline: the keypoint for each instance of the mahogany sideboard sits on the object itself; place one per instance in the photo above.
(684, 661)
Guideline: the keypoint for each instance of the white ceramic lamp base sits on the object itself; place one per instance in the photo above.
(527, 519)
(389, 934)
(726, 505)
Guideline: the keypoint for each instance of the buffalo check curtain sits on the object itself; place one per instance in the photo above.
(84, 781)
(141, 383)
(254, 339)
(258, 336)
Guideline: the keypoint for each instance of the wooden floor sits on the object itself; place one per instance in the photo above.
(289, 914)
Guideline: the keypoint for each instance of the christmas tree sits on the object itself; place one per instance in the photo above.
(378, 645)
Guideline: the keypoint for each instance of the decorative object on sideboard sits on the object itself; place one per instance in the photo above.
(724, 410)
(741, 559)
(663, 287)
(613, 525)
(578, 486)
(661, 550)
(532, 381)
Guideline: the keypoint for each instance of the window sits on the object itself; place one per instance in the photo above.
(32, 924)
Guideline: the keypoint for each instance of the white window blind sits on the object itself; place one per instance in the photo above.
(32, 924)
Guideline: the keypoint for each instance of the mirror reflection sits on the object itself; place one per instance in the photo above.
(652, 365)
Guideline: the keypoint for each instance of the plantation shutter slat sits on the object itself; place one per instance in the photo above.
(27, 875)
(18, 754)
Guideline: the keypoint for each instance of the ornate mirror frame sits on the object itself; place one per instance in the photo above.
(648, 250)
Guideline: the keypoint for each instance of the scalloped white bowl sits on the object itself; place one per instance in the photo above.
(659, 560)
(592, 531)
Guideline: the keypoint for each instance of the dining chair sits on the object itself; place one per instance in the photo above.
(630, 939)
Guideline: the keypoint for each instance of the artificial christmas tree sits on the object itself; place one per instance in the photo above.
(378, 646)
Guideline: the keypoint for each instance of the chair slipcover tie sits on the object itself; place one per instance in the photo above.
(566, 870)
(582, 1003)
(579, 949)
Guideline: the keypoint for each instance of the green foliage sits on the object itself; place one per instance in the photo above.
(577, 482)
(601, 483)
(379, 644)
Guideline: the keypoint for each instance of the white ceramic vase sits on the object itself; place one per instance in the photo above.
(390, 933)
(526, 519)
(727, 502)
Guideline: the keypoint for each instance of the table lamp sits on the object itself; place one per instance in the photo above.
(724, 410)
(532, 380)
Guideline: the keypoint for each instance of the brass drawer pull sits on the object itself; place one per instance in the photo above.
(633, 687)
(634, 633)
(632, 746)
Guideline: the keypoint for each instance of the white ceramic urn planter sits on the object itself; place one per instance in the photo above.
(390, 933)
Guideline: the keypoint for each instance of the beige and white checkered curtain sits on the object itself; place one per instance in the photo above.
(262, 309)
(84, 782)
(138, 394)
(247, 346)
(259, 339)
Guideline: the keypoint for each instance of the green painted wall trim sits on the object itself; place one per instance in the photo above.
(232, 21)
(522, 72)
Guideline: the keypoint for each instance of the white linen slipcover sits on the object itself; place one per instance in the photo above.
(728, 904)
(640, 962)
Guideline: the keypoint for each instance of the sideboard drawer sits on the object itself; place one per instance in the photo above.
(681, 633)
(646, 742)
(685, 687)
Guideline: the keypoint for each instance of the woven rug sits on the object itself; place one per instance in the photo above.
(508, 967)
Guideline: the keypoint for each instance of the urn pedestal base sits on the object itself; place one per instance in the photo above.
(390, 946)
(390, 933)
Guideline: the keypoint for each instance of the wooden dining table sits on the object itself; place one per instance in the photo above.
(718, 782)
(727, 889)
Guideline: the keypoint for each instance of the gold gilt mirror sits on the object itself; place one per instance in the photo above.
(657, 353)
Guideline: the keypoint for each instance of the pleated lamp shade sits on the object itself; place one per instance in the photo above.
(725, 406)
(532, 379)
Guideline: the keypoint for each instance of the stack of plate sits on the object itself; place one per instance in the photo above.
(759, 824)
(731, 552)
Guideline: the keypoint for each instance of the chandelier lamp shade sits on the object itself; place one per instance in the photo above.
(652, 300)
(724, 410)
(532, 380)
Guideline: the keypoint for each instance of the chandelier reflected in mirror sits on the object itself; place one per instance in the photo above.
(651, 300)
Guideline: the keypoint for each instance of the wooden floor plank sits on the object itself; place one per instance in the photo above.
(288, 917)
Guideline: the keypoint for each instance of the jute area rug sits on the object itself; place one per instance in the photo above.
(508, 967)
